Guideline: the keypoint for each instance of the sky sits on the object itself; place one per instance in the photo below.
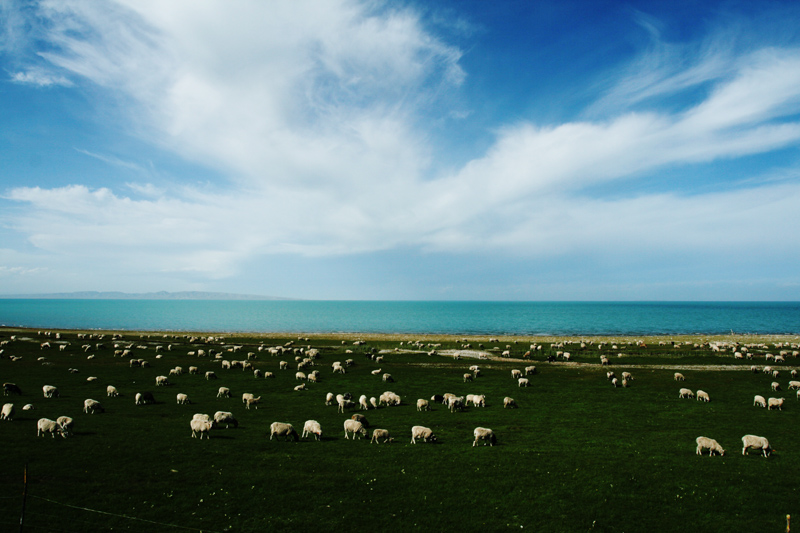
(403, 150)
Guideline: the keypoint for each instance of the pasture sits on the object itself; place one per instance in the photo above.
(577, 455)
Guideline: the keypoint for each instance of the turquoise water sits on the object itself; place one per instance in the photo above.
(490, 318)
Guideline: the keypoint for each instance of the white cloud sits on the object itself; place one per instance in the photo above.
(41, 78)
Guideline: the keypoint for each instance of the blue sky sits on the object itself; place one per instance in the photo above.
(337, 149)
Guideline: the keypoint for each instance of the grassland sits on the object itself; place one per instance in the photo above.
(578, 454)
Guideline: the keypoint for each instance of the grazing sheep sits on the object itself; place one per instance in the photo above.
(67, 425)
(11, 388)
(355, 427)
(183, 399)
(225, 417)
(627, 375)
(343, 404)
(201, 427)
(45, 425)
(358, 417)
(679, 377)
(373, 402)
(224, 392)
(210, 375)
(376, 371)
(516, 374)
(423, 405)
(389, 398)
(615, 382)
(91, 406)
(111, 391)
(757, 443)
(530, 370)
(247, 396)
(378, 434)
(775, 403)
(685, 393)
(484, 434)
(312, 427)
(759, 401)
(704, 443)
(252, 401)
(281, 429)
(794, 385)
(300, 376)
(703, 396)
(50, 391)
(421, 432)
(467, 377)
(523, 382)
(363, 402)
(775, 386)
(455, 403)
(162, 381)
(388, 378)
(194, 370)
(7, 412)
(329, 398)
(509, 402)
(27, 407)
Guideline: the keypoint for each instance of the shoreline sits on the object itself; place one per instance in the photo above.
(427, 337)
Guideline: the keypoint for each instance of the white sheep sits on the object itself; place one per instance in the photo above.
(615, 382)
(201, 427)
(50, 391)
(329, 398)
(373, 402)
(467, 377)
(423, 405)
(363, 402)
(7, 412)
(182, 399)
(484, 434)
(225, 417)
(45, 425)
(378, 434)
(355, 427)
(794, 385)
(312, 427)
(300, 376)
(759, 401)
(679, 377)
(388, 378)
(627, 375)
(775, 403)
(530, 370)
(224, 392)
(252, 401)
(509, 402)
(703, 396)
(210, 375)
(516, 374)
(162, 381)
(111, 391)
(421, 432)
(91, 406)
(67, 425)
(757, 443)
(775, 386)
(704, 443)
(455, 403)
(685, 393)
(376, 371)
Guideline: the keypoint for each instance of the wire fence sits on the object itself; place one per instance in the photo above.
(40, 514)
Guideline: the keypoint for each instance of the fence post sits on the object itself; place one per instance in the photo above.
(24, 497)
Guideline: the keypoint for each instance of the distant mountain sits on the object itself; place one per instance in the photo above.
(161, 295)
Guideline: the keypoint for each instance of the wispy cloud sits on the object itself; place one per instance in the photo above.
(41, 78)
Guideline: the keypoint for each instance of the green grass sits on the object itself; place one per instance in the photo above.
(578, 455)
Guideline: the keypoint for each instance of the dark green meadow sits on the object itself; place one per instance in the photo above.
(577, 455)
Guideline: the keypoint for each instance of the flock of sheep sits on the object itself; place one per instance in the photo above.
(356, 426)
